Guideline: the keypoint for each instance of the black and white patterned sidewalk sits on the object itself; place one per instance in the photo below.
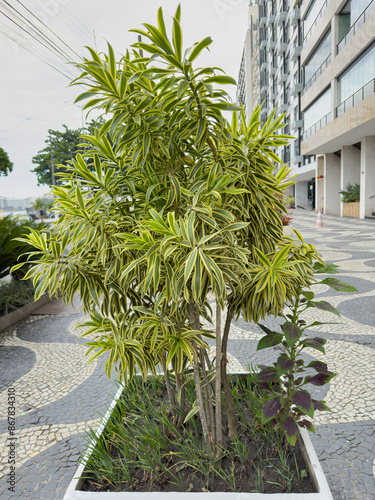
(58, 396)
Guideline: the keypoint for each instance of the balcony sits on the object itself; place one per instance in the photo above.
(297, 124)
(317, 126)
(295, 16)
(264, 89)
(270, 20)
(296, 52)
(356, 98)
(317, 73)
(281, 16)
(281, 47)
(316, 20)
(272, 70)
(262, 22)
(282, 77)
(264, 66)
(297, 88)
(263, 44)
(356, 25)
(282, 108)
(270, 44)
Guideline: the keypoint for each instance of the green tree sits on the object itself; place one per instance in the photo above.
(65, 145)
(181, 208)
(43, 203)
(6, 166)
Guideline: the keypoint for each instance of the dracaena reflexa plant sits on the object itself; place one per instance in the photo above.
(169, 207)
(286, 401)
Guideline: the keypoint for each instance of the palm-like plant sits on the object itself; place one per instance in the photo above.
(181, 207)
(13, 251)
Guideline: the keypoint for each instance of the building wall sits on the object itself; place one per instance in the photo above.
(343, 139)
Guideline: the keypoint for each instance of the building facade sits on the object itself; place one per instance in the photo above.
(316, 64)
(271, 60)
(338, 99)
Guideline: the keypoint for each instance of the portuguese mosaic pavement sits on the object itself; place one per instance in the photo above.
(58, 396)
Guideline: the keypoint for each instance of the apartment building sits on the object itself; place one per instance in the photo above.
(270, 73)
(338, 100)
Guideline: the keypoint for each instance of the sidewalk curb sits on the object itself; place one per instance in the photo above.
(23, 312)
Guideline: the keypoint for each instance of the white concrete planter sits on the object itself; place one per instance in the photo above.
(74, 491)
(23, 312)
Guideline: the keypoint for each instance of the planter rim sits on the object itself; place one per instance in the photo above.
(23, 312)
(73, 491)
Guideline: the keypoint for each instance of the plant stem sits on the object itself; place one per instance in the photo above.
(171, 395)
(232, 420)
(218, 412)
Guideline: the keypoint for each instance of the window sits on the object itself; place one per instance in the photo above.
(318, 110)
(312, 14)
(318, 58)
(361, 73)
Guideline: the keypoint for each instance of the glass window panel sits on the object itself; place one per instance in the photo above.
(320, 108)
(318, 58)
(313, 11)
(356, 9)
(357, 77)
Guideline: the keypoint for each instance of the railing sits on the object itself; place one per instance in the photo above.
(356, 98)
(320, 13)
(317, 126)
(356, 25)
(317, 73)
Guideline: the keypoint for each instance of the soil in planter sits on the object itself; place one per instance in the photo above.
(142, 450)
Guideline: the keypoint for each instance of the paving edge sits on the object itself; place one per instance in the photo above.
(23, 312)
(317, 475)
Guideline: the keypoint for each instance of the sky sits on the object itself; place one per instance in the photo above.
(34, 97)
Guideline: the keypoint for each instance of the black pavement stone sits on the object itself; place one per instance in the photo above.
(15, 362)
(349, 475)
(40, 330)
(359, 309)
(49, 473)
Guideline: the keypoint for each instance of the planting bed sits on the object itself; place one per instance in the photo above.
(140, 450)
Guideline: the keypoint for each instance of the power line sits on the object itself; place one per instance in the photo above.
(61, 40)
(29, 49)
(44, 38)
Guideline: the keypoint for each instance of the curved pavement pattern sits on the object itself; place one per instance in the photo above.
(58, 396)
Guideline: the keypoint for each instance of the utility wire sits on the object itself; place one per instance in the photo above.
(36, 17)
(72, 22)
(38, 32)
(29, 49)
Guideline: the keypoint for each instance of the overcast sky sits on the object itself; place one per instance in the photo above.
(34, 97)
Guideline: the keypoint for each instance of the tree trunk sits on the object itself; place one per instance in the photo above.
(218, 415)
(170, 390)
(231, 414)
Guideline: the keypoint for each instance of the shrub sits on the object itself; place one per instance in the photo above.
(351, 194)
(13, 251)
(182, 207)
(15, 294)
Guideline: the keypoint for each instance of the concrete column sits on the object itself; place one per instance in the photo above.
(334, 35)
(367, 202)
(319, 184)
(334, 97)
(350, 169)
(332, 176)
